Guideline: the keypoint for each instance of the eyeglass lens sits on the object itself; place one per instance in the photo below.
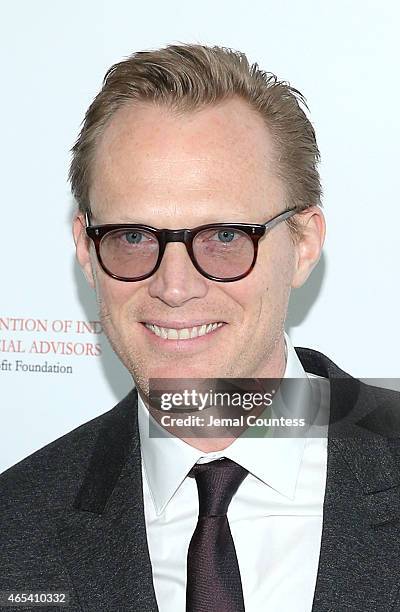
(220, 252)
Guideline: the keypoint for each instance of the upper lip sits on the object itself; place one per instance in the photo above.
(181, 324)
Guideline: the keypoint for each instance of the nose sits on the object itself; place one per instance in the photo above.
(176, 281)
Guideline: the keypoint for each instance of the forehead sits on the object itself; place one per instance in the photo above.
(150, 157)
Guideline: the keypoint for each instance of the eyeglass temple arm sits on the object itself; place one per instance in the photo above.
(282, 217)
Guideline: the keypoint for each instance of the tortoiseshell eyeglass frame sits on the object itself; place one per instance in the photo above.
(254, 230)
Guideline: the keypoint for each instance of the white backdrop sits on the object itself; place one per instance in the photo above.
(342, 55)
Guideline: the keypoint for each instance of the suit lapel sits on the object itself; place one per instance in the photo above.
(361, 529)
(103, 536)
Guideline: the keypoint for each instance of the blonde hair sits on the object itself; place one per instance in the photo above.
(188, 77)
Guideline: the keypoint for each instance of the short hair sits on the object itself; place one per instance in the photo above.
(187, 77)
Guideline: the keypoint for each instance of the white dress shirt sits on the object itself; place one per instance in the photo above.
(275, 516)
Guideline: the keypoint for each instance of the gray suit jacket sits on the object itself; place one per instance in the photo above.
(72, 517)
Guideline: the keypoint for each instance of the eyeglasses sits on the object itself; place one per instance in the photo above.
(223, 252)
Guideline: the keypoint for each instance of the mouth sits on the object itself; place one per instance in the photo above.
(178, 336)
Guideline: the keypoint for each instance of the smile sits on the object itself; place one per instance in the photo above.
(187, 333)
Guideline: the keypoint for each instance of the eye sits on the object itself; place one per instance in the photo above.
(226, 235)
(220, 236)
(133, 237)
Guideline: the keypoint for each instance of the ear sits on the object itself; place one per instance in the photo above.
(82, 244)
(310, 243)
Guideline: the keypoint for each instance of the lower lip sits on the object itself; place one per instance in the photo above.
(182, 345)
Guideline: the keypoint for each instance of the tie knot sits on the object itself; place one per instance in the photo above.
(217, 482)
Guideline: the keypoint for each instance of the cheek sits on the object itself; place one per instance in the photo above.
(277, 258)
(266, 289)
(113, 296)
(268, 286)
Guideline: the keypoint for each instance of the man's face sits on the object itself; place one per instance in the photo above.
(179, 171)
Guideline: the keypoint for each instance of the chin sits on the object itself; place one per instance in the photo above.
(185, 371)
(180, 372)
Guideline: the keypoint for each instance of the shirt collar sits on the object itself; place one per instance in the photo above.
(167, 459)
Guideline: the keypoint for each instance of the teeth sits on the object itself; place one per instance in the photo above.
(173, 334)
(182, 334)
(202, 330)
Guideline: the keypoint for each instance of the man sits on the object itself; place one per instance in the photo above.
(180, 138)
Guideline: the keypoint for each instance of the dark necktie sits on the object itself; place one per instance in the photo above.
(213, 576)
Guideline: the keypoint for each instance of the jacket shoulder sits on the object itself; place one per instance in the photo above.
(375, 408)
(51, 475)
(35, 493)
